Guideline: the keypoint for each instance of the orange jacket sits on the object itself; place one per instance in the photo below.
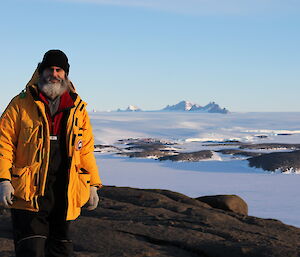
(25, 149)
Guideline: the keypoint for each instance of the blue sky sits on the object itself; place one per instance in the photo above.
(244, 55)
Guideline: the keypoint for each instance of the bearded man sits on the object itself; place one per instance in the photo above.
(47, 166)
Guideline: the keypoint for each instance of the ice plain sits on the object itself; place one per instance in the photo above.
(269, 195)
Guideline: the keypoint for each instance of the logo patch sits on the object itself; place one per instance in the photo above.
(79, 145)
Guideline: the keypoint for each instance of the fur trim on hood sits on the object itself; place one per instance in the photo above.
(35, 79)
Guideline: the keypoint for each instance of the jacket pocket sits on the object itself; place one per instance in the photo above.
(83, 192)
(77, 145)
(20, 180)
(24, 182)
(30, 140)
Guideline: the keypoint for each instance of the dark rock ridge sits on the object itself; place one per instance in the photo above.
(224, 142)
(154, 148)
(238, 152)
(280, 161)
(147, 148)
(190, 157)
(145, 142)
(106, 148)
(268, 146)
(262, 136)
(155, 154)
(151, 222)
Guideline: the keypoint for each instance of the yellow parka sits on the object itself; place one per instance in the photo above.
(25, 149)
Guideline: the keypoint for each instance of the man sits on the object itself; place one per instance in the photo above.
(47, 165)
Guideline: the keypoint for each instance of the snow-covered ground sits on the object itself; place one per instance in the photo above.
(268, 195)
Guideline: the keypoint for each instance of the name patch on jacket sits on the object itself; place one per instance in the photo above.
(79, 145)
(53, 138)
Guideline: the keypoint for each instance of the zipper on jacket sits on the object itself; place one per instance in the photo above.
(81, 108)
(35, 202)
(40, 157)
(44, 123)
(73, 139)
(35, 180)
(71, 130)
(84, 171)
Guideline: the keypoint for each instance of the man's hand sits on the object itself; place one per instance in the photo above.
(94, 199)
(6, 194)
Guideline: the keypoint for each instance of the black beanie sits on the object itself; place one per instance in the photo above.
(54, 58)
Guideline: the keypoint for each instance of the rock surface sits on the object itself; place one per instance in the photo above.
(137, 223)
(232, 203)
(271, 146)
(238, 152)
(189, 157)
(280, 161)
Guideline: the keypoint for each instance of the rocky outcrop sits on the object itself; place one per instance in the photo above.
(189, 157)
(139, 223)
(280, 161)
(133, 222)
(238, 152)
(271, 146)
(232, 203)
(148, 148)
(163, 150)
(155, 154)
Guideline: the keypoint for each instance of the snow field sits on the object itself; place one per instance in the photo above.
(269, 195)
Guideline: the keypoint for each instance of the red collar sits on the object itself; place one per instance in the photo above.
(66, 101)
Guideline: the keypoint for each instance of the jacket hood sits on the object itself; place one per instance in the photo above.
(35, 78)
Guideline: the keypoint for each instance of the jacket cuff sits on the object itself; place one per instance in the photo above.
(4, 179)
(97, 185)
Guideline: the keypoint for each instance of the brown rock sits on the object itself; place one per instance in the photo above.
(142, 223)
(232, 203)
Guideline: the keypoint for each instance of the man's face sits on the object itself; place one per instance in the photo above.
(54, 74)
(53, 82)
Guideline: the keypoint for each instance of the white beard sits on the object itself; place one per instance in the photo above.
(53, 90)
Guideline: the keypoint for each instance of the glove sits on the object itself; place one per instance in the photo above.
(94, 199)
(6, 193)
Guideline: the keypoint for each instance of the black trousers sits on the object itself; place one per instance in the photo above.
(46, 233)
(36, 235)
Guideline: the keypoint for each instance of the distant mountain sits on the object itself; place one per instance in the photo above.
(130, 108)
(212, 107)
(183, 106)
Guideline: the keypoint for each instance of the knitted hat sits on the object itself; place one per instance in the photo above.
(54, 58)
